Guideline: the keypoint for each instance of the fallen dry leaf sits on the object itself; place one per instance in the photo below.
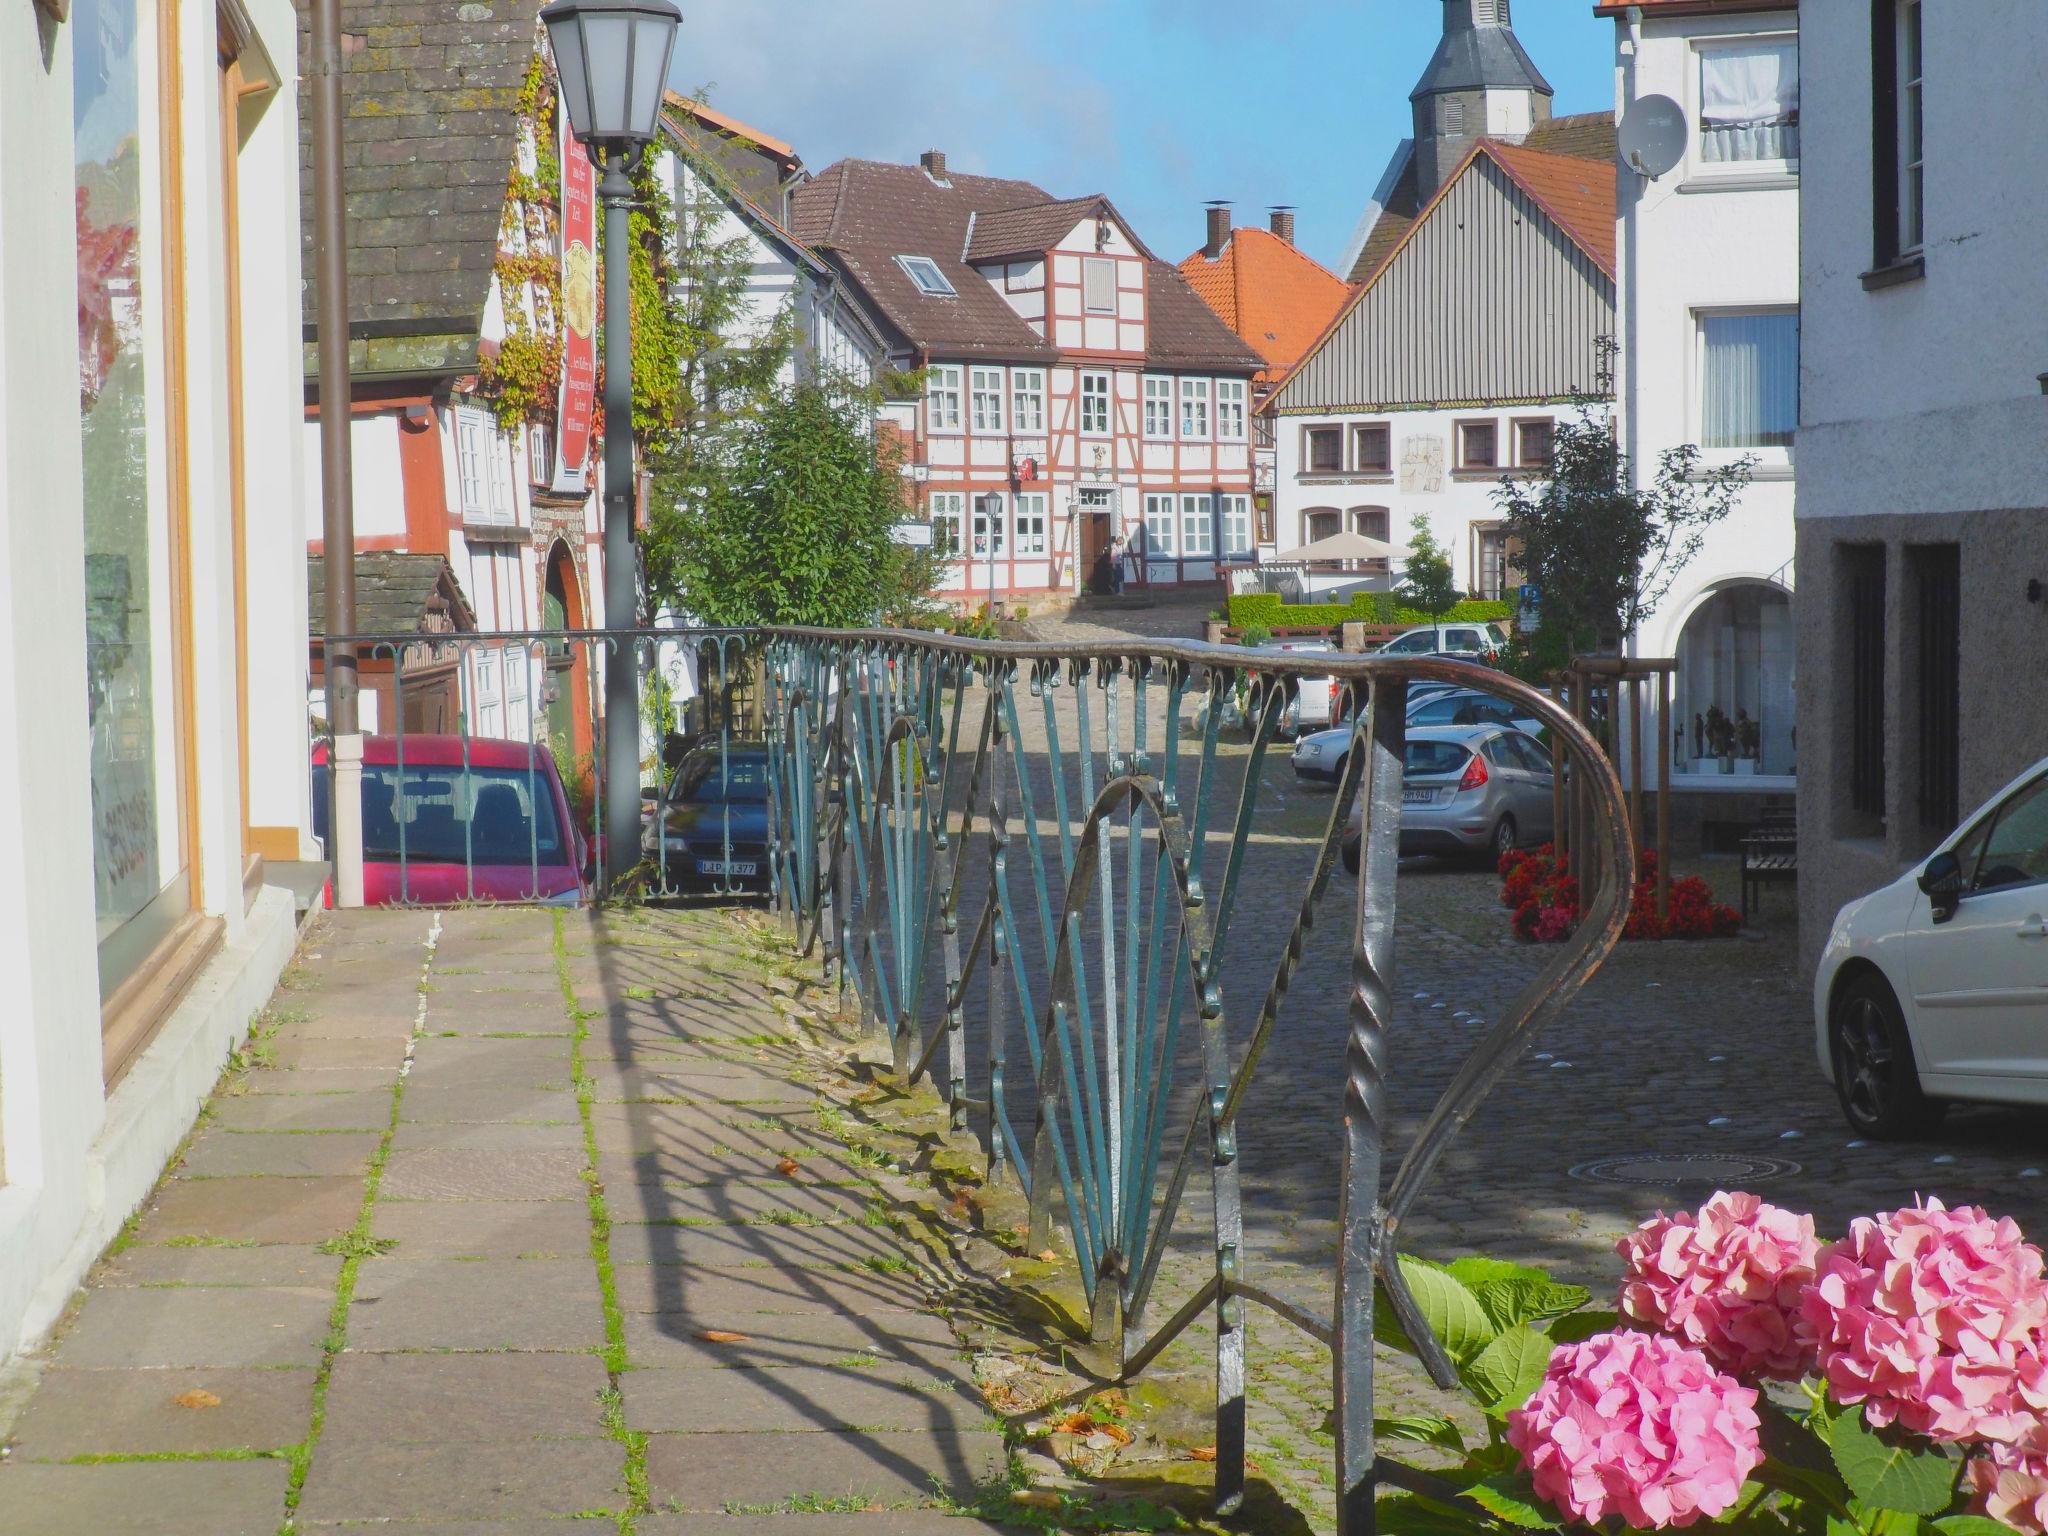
(1076, 1424)
(1047, 1256)
(787, 1167)
(1116, 1432)
(198, 1397)
(721, 1336)
(1202, 1453)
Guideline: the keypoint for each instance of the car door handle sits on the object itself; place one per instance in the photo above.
(2034, 928)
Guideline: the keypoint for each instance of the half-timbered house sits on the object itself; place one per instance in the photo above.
(1077, 389)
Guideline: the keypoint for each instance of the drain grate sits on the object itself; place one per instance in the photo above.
(1724, 1170)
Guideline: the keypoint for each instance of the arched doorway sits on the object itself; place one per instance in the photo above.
(1734, 695)
(569, 701)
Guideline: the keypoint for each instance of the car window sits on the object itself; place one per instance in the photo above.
(1440, 711)
(1408, 645)
(1500, 753)
(1532, 757)
(2016, 852)
(742, 776)
(452, 816)
(1435, 757)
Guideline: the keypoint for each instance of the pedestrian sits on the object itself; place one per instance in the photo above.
(1116, 564)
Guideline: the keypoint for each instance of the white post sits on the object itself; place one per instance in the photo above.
(346, 805)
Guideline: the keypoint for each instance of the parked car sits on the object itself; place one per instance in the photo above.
(1315, 703)
(467, 819)
(1467, 640)
(711, 826)
(1467, 790)
(1320, 757)
(1935, 987)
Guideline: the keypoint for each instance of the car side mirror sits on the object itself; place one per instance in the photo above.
(1942, 881)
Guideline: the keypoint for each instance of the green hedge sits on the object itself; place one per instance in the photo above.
(1267, 610)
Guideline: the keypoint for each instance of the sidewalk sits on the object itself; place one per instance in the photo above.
(506, 1218)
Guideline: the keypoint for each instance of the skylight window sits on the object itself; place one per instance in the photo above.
(924, 272)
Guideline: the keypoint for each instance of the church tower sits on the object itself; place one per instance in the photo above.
(1480, 82)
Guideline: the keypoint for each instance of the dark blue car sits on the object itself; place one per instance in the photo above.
(711, 828)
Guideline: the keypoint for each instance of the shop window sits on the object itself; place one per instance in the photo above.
(1733, 701)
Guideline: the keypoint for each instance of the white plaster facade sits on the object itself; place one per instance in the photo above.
(78, 1156)
(1703, 249)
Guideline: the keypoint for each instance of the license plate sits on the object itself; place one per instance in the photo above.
(1418, 796)
(725, 867)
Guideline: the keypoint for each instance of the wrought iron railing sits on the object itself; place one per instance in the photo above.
(1026, 864)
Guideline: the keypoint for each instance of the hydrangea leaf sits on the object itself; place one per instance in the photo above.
(1427, 1429)
(1892, 1475)
(1510, 1499)
(1505, 1373)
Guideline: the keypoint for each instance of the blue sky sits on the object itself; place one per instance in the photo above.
(1162, 104)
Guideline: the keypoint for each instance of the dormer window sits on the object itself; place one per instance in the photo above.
(924, 272)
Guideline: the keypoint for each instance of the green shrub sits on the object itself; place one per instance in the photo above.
(1254, 634)
(1268, 611)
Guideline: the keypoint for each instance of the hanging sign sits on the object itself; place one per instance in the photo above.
(579, 316)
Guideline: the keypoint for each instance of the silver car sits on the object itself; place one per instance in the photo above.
(1468, 790)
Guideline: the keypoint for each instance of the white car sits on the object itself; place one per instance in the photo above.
(1936, 986)
(1460, 639)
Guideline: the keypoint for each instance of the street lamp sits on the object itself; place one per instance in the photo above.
(611, 58)
(991, 513)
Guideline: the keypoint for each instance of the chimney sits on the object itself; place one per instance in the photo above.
(1219, 230)
(1281, 221)
(934, 163)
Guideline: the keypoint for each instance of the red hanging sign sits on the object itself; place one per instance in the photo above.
(579, 315)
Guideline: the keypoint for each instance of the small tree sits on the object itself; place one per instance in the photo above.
(1426, 581)
(1605, 556)
(795, 527)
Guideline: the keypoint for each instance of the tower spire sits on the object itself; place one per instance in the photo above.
(1479, 81)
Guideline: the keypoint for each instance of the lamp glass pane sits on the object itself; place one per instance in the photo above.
(608, 44)
(573, 70)
(653, 36)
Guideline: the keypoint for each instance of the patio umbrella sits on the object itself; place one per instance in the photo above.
(1338, 546)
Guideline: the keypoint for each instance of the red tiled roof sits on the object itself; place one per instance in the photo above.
(1578, 194)
(725, 122)
(1272, 295)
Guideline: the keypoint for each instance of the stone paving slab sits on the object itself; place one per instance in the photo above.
(893, 1522)
(394, 1022)
(740, 1198)
(368, 1110)
(483, 1229)
(711, 1471)
(456, 1173)
(282, 1265)
(797, 1397)
(274, 1210)
(459, 1103)
(204, 1498)
(372, 1481)
(219, 1154)
(490, 1136)
(533, 1304)
(764, 1242)
(409, 1398)
(79, 1412)
(885, 1351)
(289, 1080)
(302, 1054)
(171, 1326)
(711, 1296)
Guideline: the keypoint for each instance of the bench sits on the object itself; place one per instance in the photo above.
(1769, 855)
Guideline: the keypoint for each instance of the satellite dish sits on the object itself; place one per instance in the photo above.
(1653, 135)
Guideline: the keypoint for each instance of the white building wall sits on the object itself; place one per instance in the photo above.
(75, 1160)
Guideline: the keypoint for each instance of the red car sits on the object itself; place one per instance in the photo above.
(469, 819)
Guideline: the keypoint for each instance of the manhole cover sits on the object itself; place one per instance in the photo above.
(1662, 1171)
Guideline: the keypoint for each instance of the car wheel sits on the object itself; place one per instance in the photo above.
(1875, 1077)
(1504, 838)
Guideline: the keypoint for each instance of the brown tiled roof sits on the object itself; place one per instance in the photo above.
(1582, 135)
(1276, 298)
(863, 214)
(430, 97)
(1578, 194)
(1031, 230)
(395, 593)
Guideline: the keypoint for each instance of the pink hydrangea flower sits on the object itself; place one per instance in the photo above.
(1727, 1280)
(1640, 1426)
(1934, 1318)
(2011, 1486)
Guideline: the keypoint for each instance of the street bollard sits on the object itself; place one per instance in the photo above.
(346, 790)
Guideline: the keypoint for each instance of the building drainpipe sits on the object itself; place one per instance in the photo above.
(337, 493)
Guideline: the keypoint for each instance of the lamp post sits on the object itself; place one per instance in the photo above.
(611, 58)
(991, 510)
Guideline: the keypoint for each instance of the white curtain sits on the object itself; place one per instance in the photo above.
(1751, 393)
(1749, 103)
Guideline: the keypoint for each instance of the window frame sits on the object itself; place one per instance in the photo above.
(1236, 514)
(540, 457)
(1986, 830)
(1106, 395)
(1195, 425)
(1894, 257)
(945, 383)
(1549, 425)
(989, 423)
(1028, 524)
(950, 544)
(912, 265)
(1031, 393)
(1360, 429)
(1698, 167)
(981, 526)
(1161, 397)
(1162, 510)
(1197, 513)
(1464, 463)
(1232, 396)
(1105, 266)
(1308, 449)
(1769, 456)
(471, 469)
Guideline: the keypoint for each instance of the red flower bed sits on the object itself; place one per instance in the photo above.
(1545, 901)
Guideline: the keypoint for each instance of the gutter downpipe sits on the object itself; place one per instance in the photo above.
(337, 492)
